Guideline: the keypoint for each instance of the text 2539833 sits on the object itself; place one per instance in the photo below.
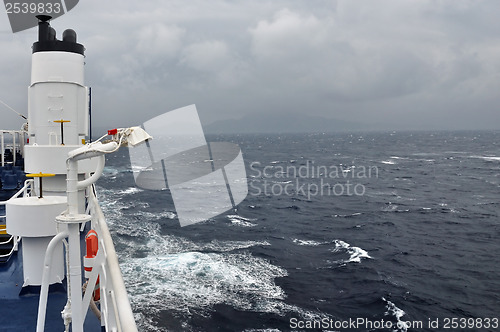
(33, 8)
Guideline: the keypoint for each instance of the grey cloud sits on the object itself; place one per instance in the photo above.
(388, 61)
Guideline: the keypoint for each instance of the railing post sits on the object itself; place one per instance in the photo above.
(44, 291)
(74, 267)
(115, 305)
(14, 149)
(3, 150)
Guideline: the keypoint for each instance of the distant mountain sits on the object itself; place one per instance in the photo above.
(273, 123)
(281, 123)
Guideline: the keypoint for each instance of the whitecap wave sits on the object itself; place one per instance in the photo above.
(187, 280)
(356, 253)
(397, 313)
(487, 158)
(156, 244)
(241, 221)
(281, 182)
(347, 215)
(129, 191)
(309, 243)
(393, 208)
(110, 171)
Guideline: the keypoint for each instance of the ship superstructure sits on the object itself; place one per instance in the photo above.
(52, 203)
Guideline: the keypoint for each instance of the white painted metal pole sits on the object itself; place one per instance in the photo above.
(75, 275)
(101, 160)
(71, 187)
(3, 151)
(22, 143)
(75, 264)
(14, 148)
(44, 291)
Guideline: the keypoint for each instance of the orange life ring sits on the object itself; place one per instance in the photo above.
(92, 245)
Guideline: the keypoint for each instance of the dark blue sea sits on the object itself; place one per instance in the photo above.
(396, 231)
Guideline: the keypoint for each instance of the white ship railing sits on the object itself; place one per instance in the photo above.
(116, 312)
(24, 191)
(17, 144)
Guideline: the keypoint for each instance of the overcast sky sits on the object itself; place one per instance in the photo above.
(400, 63)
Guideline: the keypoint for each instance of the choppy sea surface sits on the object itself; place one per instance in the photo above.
(398, 227)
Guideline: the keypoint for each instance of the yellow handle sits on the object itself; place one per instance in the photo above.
(40, 175)
(61, 121)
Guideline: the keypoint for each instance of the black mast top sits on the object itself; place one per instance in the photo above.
(47, 40)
